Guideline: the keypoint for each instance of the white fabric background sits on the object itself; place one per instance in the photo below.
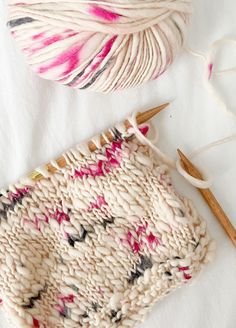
(39, 120)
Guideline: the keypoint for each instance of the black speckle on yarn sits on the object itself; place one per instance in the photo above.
(78, 75)
(17, 201)
(33, 299)
(95, 306)
(30, 305)
(85, 315)
(118, 319)
(117, 134)
(114, 314)
(76, 289)
(3, 214)
(168, 273)
(84, 234)
(71, 242)
(95, 77)
(6, 208)
(146, 263)
(20, 21)
(177, 258)
(197, 244)
(73, 239)
(134, 275)
(181, 213)
(65, 312)
(108, 221)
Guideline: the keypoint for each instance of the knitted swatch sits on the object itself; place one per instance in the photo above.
(99, 242)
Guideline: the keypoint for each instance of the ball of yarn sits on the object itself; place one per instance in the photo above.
(100, 45)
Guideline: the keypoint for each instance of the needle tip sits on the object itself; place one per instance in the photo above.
(181, 155)
(147, 115)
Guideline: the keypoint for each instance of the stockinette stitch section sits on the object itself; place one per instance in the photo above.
(99, 242)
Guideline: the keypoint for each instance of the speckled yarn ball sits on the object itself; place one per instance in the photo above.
(99, 45)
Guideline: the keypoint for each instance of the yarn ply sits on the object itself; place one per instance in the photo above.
(100, 241)
(99, 45)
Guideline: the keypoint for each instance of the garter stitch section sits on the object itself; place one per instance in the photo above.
(99, 242)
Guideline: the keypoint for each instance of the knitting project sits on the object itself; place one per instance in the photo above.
(97, 243)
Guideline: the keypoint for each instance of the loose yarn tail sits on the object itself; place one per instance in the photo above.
(176, 164)
(166, 159)
(209, 59)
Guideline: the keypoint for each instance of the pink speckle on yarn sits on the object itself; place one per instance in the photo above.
(36, 221)
(183, 268)
(116, 145)
(106, 49)
(144, 129)
(102, 166)
(134, 244)
(52, 39)
(104, 14)
(67, 299)
(152, 239)
(47, 41)
(59, 308)
(140, 238)
(98, 204)
(71, 34)
(210, 70)
(36, 323)
(141, 229)
(114, 162)
(38, 36)
(186, 275)
(70, 56)
(97, 61)
(136, 247)
(18, 194)
(60, 216)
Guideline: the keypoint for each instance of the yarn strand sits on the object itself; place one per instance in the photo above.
(99, 45)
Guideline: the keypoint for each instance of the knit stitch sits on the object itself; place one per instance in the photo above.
(99, 242)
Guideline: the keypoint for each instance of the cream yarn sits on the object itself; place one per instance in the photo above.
(99, 45)
(100, 241)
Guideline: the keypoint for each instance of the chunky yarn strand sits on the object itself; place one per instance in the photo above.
(99, 242)
(99, 45)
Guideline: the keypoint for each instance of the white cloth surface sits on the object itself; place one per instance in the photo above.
(40, 119)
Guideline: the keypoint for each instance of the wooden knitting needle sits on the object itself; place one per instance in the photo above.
(209, 198)
(141, 118)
